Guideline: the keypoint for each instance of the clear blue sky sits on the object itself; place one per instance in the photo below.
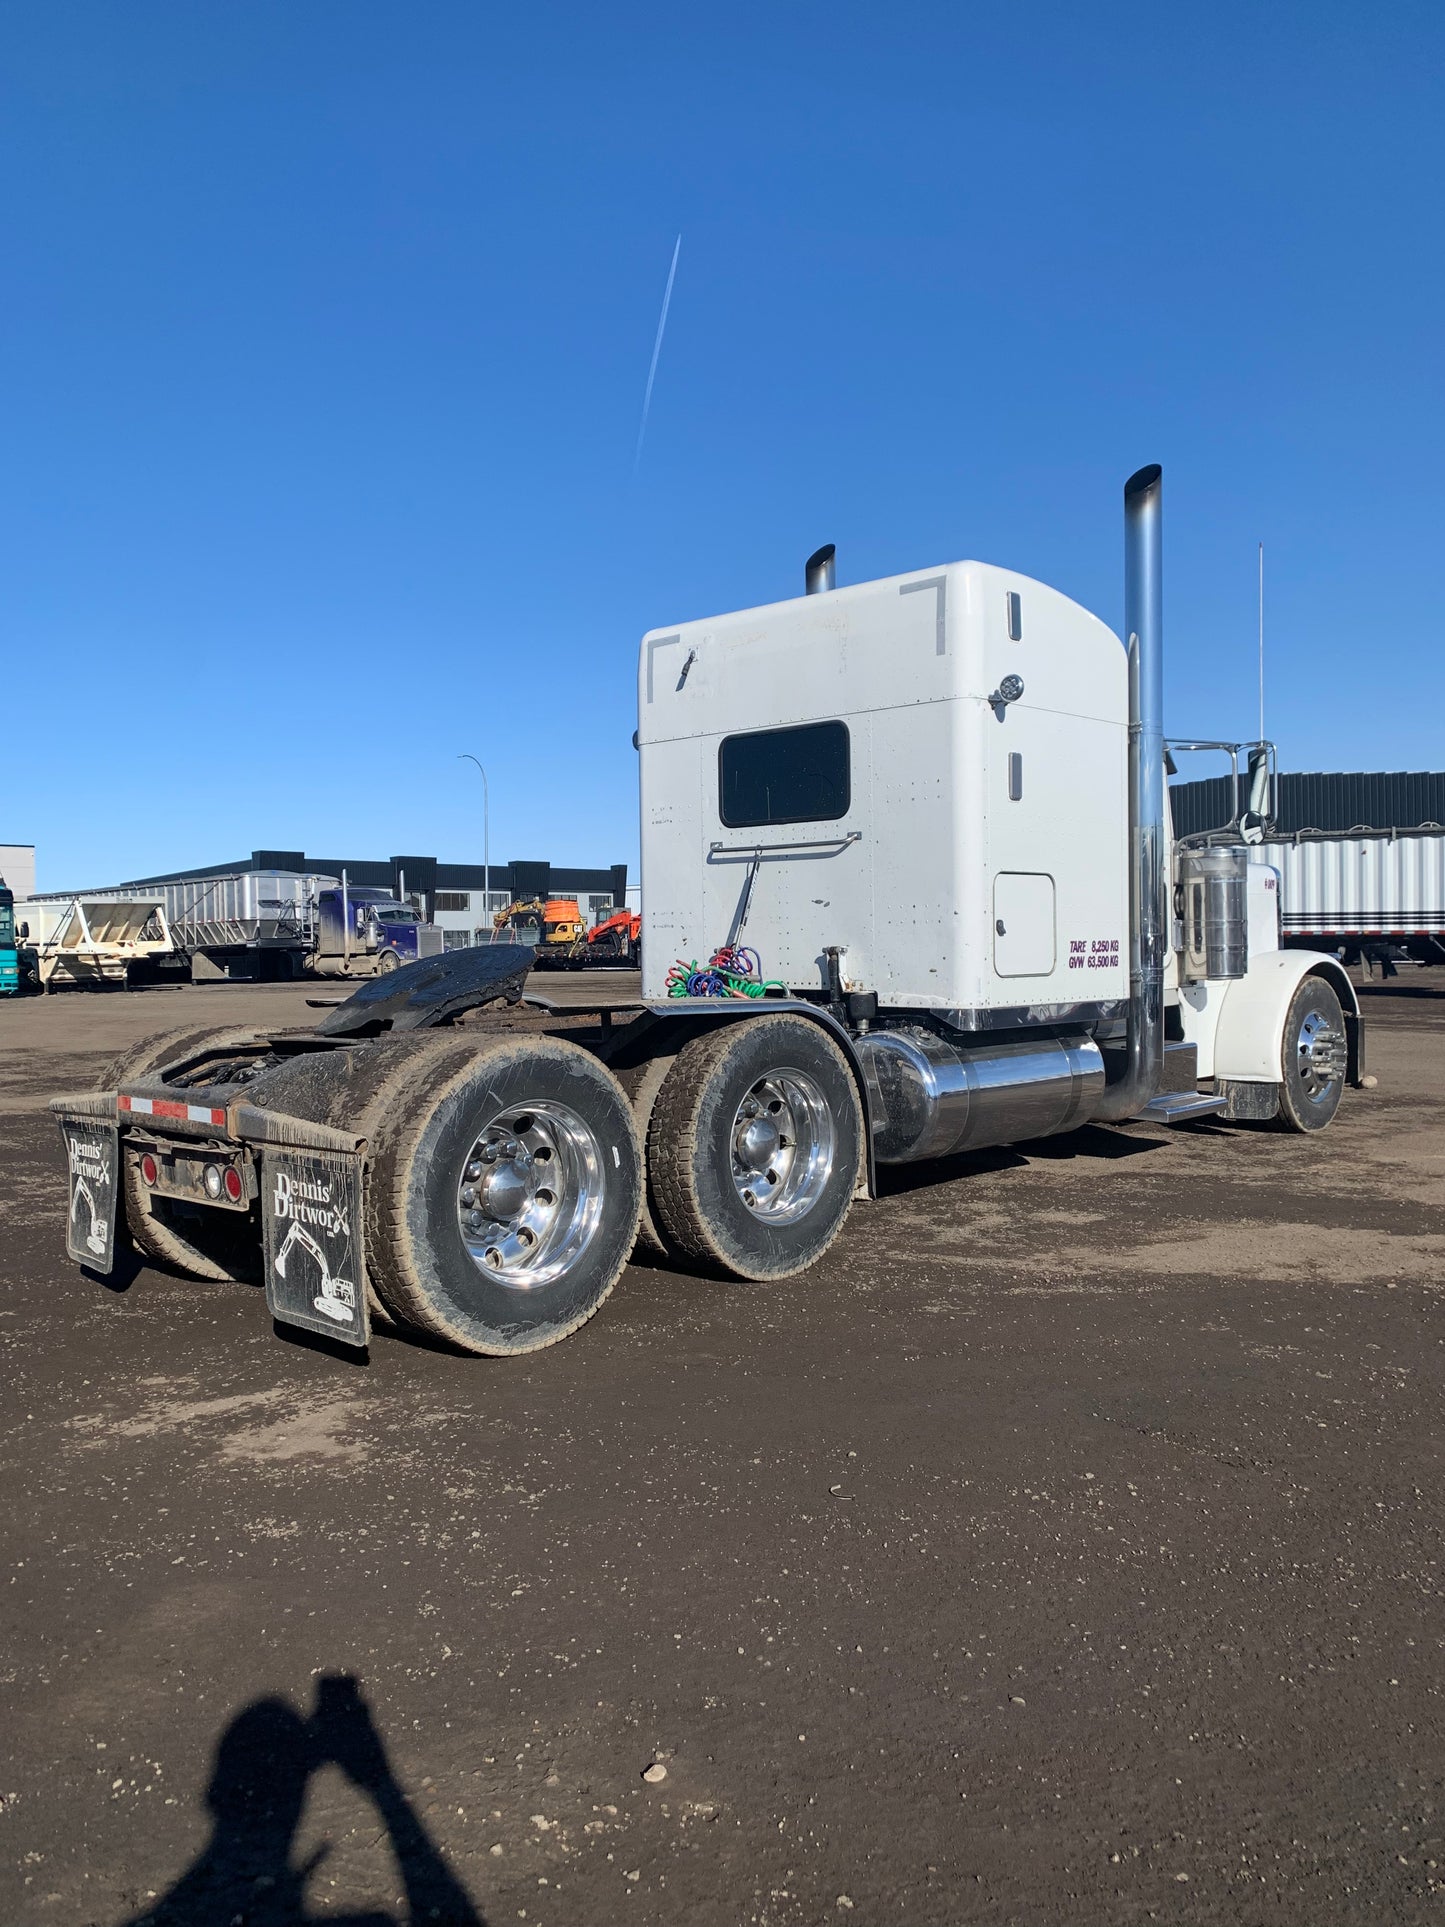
(326, 323)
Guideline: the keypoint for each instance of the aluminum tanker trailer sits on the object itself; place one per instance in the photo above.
(252, 923)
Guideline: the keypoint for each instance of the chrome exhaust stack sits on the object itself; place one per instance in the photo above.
(1148, 894)
(818, 572)
(931, 1094)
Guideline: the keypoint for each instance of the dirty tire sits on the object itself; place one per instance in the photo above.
(1312, 1058)
(696, 1200)
(169, 1047)
(642, 1083)
(221, 1247)
(387, 962)
(580, 1150)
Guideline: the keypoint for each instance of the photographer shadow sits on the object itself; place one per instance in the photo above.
(257, 1792)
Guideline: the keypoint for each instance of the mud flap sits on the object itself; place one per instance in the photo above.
(1248, 1103)
(312, 1236)
(1355, 1042)
(92, 1152)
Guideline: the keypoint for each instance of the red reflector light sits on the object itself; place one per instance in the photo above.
(148, 1168)
(233, 1184)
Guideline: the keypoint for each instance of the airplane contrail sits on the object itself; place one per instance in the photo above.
(656, 351)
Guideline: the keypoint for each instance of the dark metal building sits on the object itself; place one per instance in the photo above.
(424, 877)
(1329, 802)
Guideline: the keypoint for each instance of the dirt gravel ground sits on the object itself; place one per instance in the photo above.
(1064, 1548)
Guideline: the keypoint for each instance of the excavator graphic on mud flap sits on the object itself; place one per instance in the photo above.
(337, 1297)
(95, 1237)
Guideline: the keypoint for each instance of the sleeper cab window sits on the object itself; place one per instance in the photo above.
(798, 775)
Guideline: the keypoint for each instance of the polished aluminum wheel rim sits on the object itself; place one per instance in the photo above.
(530, 1194)
(783, 1145)
(1320, 1054)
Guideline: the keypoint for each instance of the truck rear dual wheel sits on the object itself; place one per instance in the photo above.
(1314, 1057)
(753, 1148)
(503, 1203)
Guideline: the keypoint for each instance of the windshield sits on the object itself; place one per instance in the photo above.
(394, 913)
(7, 926)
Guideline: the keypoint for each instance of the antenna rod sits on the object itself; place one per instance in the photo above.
(1261, 642)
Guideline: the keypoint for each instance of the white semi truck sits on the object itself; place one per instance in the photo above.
(911, 891)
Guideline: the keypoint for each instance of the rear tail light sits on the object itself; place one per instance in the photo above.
(211, 1178)
(234, 1186)
(149, 1169)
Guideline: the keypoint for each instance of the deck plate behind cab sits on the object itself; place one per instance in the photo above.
(312, 1237)
(433, 990)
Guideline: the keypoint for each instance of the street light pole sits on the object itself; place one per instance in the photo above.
(466, 757)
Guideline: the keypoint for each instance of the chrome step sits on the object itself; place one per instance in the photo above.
(1176, 1107)
(1181, 1065)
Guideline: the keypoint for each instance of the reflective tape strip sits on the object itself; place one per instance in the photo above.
(163, 1107)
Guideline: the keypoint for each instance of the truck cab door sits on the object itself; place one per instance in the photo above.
(328, 923)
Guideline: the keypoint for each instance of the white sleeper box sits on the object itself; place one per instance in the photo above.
(979, 864)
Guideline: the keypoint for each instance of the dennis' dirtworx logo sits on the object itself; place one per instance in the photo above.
(308, 1201)
(88, 1160)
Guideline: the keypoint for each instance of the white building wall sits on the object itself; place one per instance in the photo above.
(17, 867)
(465, 916)
(473, 923)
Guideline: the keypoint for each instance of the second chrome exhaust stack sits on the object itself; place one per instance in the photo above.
(1144, 628)
(819, 572)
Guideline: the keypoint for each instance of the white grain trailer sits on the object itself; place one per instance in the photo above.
(242, 922)
(90, 940)
(911, 892)
(285, 923)
(1364, 888)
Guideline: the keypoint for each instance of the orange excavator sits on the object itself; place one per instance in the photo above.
(613, 941)
(554, 924)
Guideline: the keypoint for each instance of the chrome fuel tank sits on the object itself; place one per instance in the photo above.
(931, 1097)
(1214, 889)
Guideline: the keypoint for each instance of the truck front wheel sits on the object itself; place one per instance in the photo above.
(753, 1148)
(1314, 1057)
(504, 1207)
